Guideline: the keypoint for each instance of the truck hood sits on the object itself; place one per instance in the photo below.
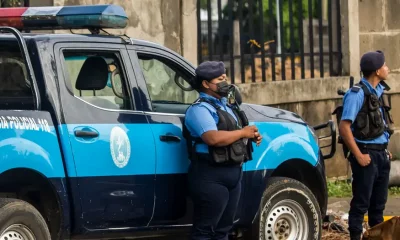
(259, 113)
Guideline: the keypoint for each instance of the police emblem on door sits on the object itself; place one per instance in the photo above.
(120, 147)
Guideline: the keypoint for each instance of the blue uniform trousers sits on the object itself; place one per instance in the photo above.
(215, 191)
(370, 190)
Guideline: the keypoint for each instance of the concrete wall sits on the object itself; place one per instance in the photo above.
(171, 23)
(315, 100)
(380, 30)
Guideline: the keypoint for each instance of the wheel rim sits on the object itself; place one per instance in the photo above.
(17, 232)
(286, 221)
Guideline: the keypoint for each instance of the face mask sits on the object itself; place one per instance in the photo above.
(223, 89)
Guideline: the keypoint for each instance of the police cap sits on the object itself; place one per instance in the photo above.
(209, 70)
(372, 61)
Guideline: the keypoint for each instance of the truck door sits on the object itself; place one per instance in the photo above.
(111, 143)
(160, 72)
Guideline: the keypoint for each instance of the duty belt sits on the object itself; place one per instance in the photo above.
(372, 146)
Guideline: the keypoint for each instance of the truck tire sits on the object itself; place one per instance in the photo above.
(21, 221)
(288, 210)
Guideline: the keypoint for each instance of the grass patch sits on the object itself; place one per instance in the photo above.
(394, 191)
(342, 189)
(339, 189)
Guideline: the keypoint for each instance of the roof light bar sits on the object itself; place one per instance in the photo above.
(65, 17)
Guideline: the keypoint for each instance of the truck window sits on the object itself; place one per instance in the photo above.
(162, 78)
(15, 90)
(98, 79)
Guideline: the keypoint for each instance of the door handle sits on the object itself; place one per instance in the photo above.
(169, 138)
(83, 133)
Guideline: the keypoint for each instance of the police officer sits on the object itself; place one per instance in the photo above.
(217, 149)
(364, 130)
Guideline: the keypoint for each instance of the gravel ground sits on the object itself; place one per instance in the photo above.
(326, 235)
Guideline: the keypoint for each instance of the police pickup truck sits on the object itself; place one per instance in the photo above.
(91, 139)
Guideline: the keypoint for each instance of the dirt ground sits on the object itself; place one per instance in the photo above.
(342, 206)
(334, 236)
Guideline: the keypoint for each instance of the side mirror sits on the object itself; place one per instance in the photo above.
(185, 86)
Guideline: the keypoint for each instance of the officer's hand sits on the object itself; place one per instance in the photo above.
(390, 156)
(249, 132)
(364, 160)
(257, 138)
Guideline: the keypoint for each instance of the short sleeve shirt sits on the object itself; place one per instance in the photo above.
(352, 104)
(202, 117)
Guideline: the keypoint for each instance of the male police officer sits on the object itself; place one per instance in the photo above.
(217, 148)
(363, 128)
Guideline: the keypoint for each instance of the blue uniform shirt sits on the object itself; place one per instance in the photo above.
(202, 117)
(353, 102)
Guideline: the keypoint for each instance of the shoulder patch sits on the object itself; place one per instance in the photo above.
(198, 101)
(356, 88)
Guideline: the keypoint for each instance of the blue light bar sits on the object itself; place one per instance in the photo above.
(98, 16)
(66, 17)
(40, 17)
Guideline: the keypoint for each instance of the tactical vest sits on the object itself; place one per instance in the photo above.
(369, 122)
(236, 153)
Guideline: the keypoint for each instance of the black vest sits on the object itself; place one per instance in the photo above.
(366, 117)
(236, 153)
(369, 122)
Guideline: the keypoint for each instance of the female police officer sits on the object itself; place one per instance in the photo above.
(217, 150)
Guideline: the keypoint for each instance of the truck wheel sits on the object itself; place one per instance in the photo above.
(288, 211)
(21, 221)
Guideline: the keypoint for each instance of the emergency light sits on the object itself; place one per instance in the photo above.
(64, 17)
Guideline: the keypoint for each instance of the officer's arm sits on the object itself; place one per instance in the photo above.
(348, 138)
(221, 138)
(200, 121)
(352, 104)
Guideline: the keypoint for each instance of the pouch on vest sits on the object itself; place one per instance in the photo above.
(234, 153)
(385, 102)
(243, 122)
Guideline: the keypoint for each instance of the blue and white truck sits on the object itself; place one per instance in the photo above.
(91, 139)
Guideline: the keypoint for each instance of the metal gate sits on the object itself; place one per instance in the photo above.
(269, 40)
